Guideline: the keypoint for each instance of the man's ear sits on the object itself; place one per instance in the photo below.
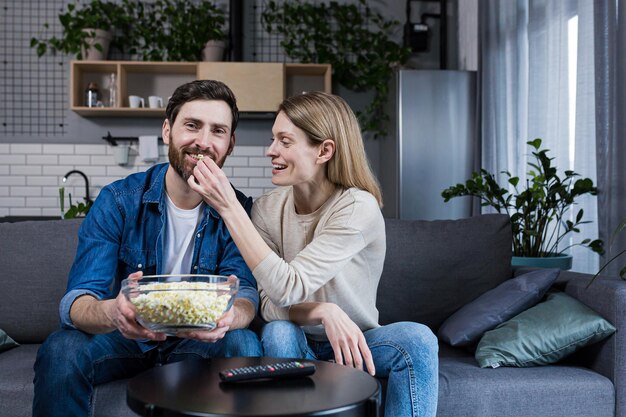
(326, 151)
(231, 146)
(165, 131)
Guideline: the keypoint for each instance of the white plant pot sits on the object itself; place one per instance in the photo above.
(103, 37)
(213, 51)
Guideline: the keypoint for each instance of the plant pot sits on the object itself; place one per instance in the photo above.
(563, 262)
(102, 37)
(213, 51)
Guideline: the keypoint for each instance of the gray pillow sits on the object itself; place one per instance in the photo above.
(543, 334)
(467, 325)
(427, 261)
(6, 342)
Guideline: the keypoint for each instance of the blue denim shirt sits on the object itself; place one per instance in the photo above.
(124, 232)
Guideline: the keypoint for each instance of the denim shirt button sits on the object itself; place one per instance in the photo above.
(195, 267)
(139, 265)
(198, 235)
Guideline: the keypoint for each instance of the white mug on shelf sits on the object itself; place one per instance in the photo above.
(155, 102)
(135, 102)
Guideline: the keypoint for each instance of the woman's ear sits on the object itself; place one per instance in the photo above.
(326, 151)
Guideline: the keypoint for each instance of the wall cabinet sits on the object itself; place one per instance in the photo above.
(259, 87)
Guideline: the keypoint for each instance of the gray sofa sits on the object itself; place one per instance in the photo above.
(431, 270)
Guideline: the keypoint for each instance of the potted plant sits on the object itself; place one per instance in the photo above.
(355, 40)
(538, 211)
(176, 30)
(74, 210)
(87, 30)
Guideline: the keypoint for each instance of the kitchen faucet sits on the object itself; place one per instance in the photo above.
(75, 171)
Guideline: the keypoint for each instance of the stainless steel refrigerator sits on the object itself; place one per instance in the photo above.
(431, 143)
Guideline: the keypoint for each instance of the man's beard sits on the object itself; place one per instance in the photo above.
(181, 165)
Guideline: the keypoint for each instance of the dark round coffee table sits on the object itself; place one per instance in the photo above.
(193, 388)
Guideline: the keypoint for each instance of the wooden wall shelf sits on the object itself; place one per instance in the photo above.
(259, 87)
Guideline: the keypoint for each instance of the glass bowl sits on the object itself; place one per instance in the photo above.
(178, 303)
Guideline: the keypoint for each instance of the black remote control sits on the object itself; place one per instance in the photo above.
(274, 370)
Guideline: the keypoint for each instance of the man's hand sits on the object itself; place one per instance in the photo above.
(103, 316)
(123, 316)
(238, 316)
(212, 336)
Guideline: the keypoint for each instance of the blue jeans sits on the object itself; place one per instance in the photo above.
(70, 363)
(405, 353)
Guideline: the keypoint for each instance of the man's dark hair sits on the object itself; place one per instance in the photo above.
(202, 90)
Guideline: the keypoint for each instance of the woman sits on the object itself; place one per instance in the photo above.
(316, 245)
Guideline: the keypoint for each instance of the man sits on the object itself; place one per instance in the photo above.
(148, 223)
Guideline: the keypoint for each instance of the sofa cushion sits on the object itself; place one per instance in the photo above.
(16, 380)
(467, 390)
(543, 334)
(36, 257)
(16, 387)
(433, 268)
(467, 325)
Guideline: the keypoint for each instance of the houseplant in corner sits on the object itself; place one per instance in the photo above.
(87, 30)
(539, 211)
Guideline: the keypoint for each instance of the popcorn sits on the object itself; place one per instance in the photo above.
(179, 304)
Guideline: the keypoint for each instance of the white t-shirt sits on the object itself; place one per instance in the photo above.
(180, 237)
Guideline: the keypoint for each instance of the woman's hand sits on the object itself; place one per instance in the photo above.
(346, 338)
(211, 183)
(122, 313)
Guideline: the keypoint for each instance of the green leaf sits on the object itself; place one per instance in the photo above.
(579, 216)
(535, 143)
(597, 246)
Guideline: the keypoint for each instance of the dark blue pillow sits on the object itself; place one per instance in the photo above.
(467, 325)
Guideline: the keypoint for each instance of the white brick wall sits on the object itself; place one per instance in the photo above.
(31, 174)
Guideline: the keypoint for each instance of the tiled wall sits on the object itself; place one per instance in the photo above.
(31, 174)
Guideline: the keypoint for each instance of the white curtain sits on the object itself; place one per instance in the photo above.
(537, 81)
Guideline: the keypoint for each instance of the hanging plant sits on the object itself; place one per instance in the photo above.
(355, 40)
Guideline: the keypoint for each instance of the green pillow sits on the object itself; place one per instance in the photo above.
(543, 334)
(6, 342)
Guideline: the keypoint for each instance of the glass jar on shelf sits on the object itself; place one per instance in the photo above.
(92, 95)
(112, 90)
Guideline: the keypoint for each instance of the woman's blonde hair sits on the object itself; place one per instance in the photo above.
(325, 116)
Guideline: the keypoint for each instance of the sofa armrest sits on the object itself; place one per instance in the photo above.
(606, 296)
